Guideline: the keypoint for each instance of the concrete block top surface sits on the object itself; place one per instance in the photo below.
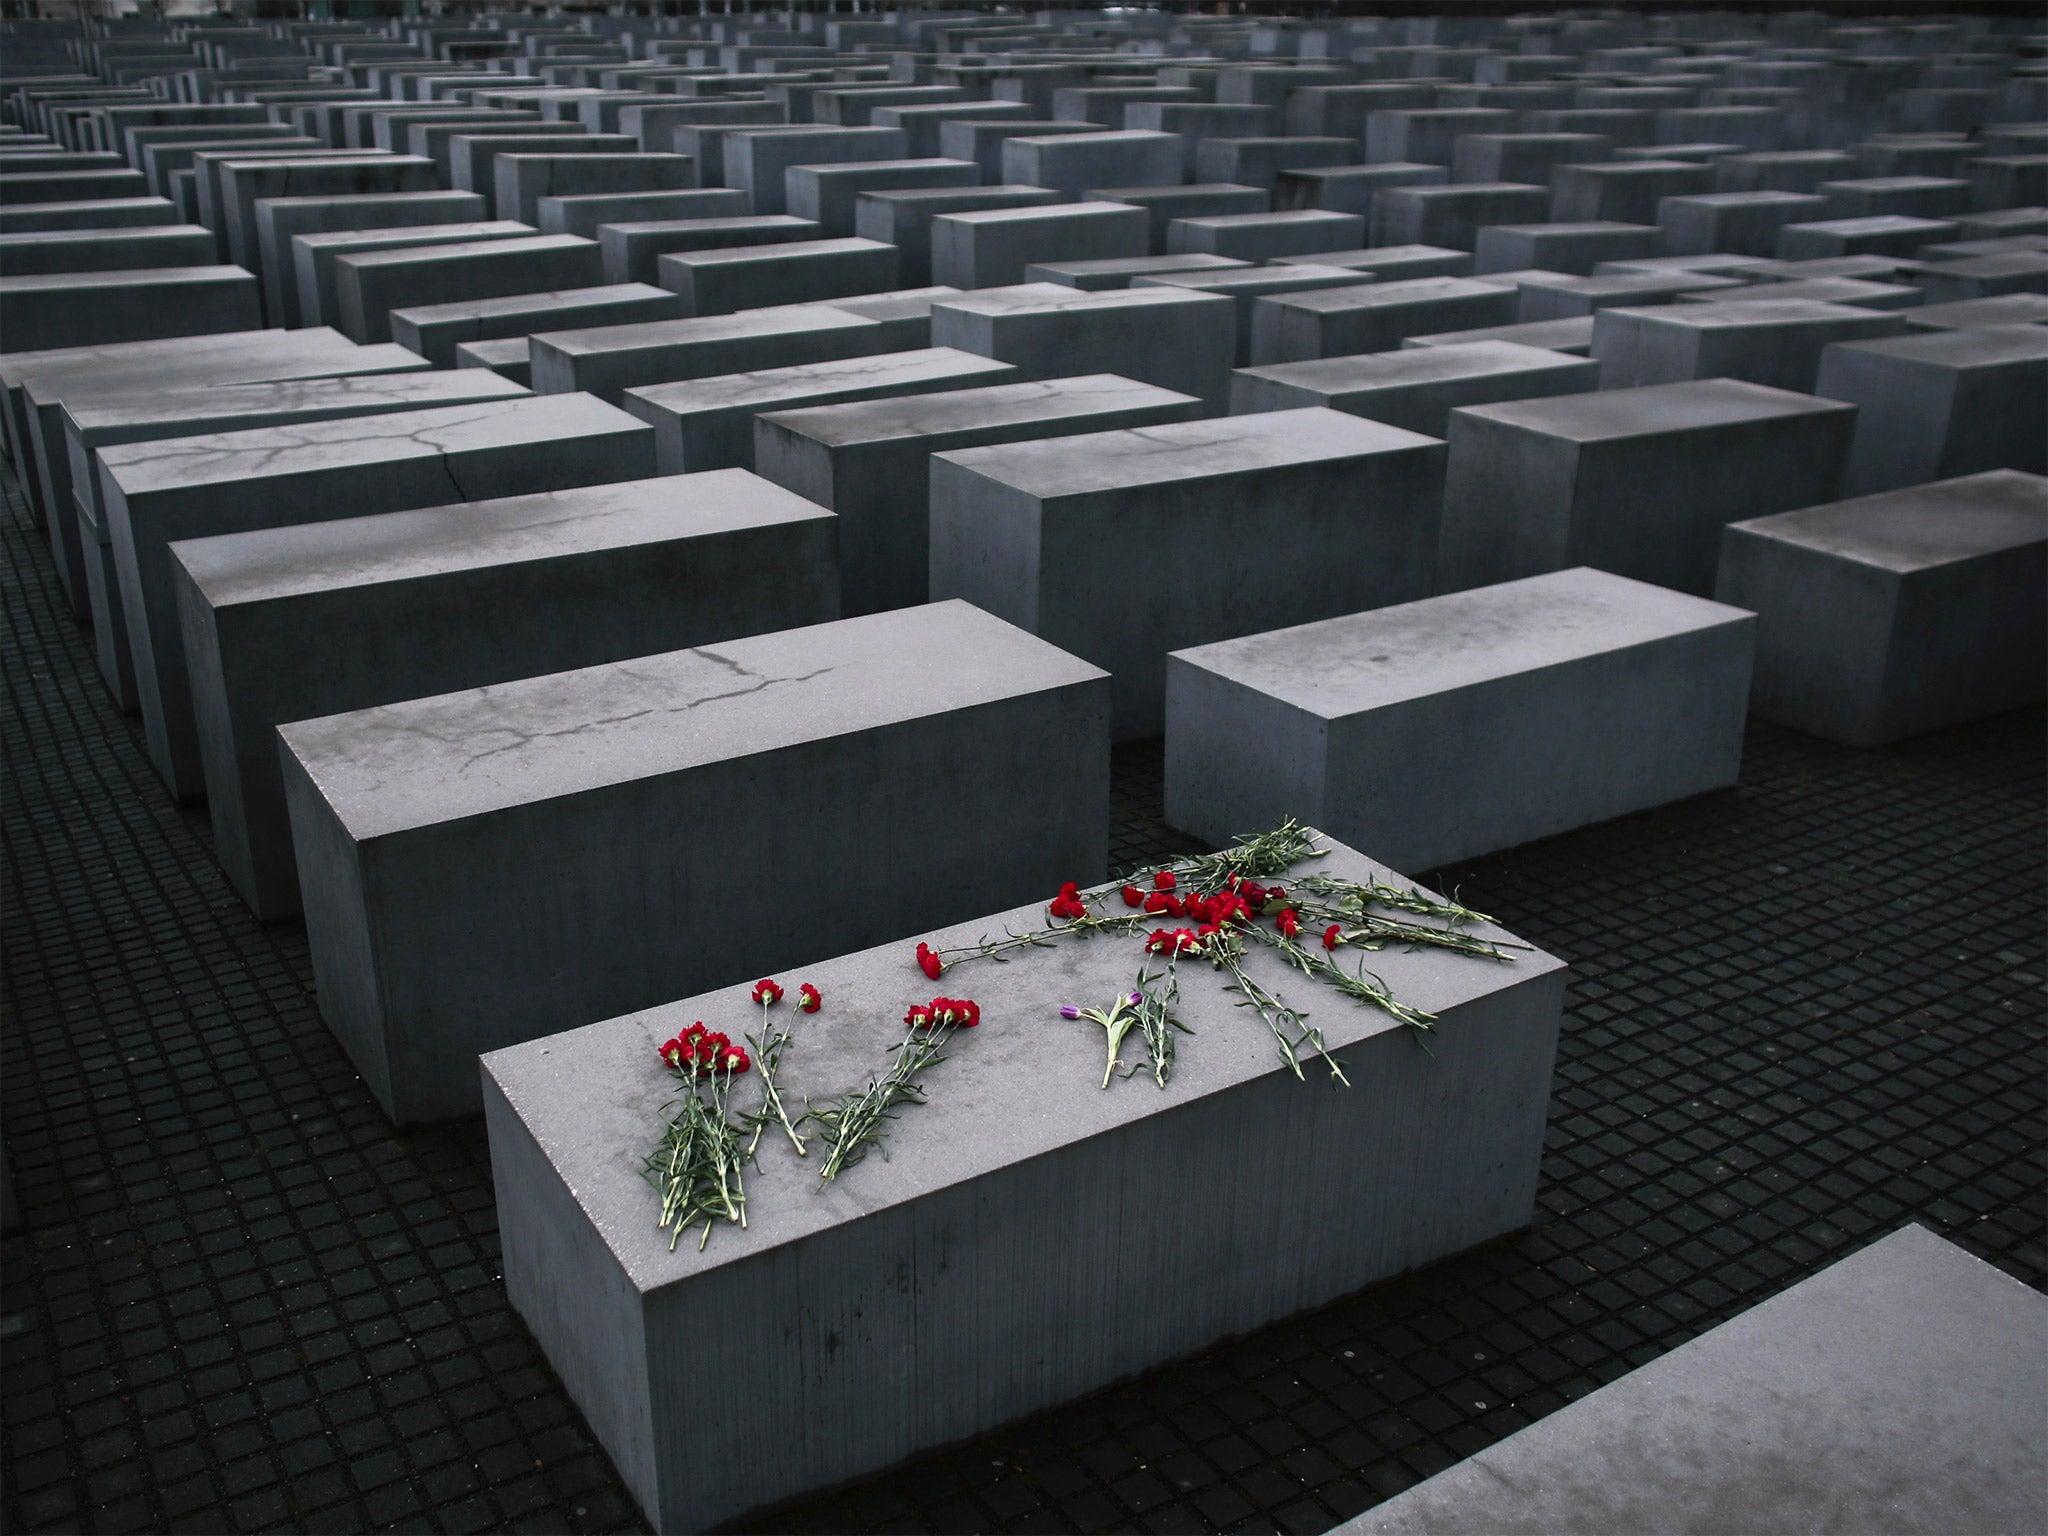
(270, 563)
(1899, 1390)
(1412, 365)
(1921, 526)
(590, 1096)
(1038, 212)
(1365, 661)
(122, 277)
(1184, 450)
(726, 391)
(185, 463)
(430, 761)
(1414, 290)
(1745, 314)
(1652, 408)
(911, 416)
(143, 410)
(1973, 347)
(657, 333)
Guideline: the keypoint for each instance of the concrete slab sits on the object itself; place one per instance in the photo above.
(1639, 482)
(434, 331)
(520, 181)
(633, 250)
(1161, 335)
(1619, 695)
(726, 279)
(156, 493)
(1416, 388)
(610, 359)
(583, 213)
(1774, 343)
(870, 462)
(280, 220)
(1338, 322)
(1932, 405)
(313, 256)
(589, 814)
(1893, 1391)
(46, 311)
(904, 218)
(1246, 287)
(992, 247)
(1887, 615)
(1436, 1156)
(293, 623)
(369, 285)
(1104, 544)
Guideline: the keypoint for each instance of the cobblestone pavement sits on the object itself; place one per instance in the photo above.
(1802, 1013)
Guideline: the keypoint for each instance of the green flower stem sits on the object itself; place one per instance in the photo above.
(856, 1121)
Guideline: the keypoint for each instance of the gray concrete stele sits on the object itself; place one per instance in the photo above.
(1030, 1237)
(1387, 726)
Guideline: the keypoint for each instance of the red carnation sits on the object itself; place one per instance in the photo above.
(1163, 881)
(1161, 943)
(807, 998)
(767, 992)
(1067, 908)
(929, 962)
(673, 1052)
(1133, 897)
(1156, 903)
(1288, 922)
(1186, 942)
(1071, 890)
(1333, 935)
(694, 1033)
(1276, 893)
(1253, 893)
(919, 1016)
(970, 1012)
(735, 1060)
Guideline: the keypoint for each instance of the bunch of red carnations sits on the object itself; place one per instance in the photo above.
(855, 1121)
(696, 1165)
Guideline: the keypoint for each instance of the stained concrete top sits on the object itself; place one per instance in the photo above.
(1134, 266)
(345, 240)
(787, 250)
(464, 250)
(590, 1097)
(540, 301)
(183, 463)
(1900, 1391)
(1155, 294)
(191, 411)
(1999, 309)
(123, 277)
(596, 340)
(1369, 255)
(1414, 290)
(220, 368)
(1879, 224)
(1823, 290)
(271, 563)
(19, 368)
(1973, 347)
(961, 410)
(1184, 450)
(1257, 281)
(1365, 661)
(1921, 526)
(1416, 365)
(1746, 313)
(1652, 408)
(726, 392)
(1571, 334)
(1043, 211)
(431, 761)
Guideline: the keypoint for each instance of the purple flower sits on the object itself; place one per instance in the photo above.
(1070, 1012)
(1136, 998)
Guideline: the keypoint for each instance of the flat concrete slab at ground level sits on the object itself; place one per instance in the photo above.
(1899, 1390)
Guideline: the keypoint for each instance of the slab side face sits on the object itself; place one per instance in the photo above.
(1899, 1390)
(933, 1295)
